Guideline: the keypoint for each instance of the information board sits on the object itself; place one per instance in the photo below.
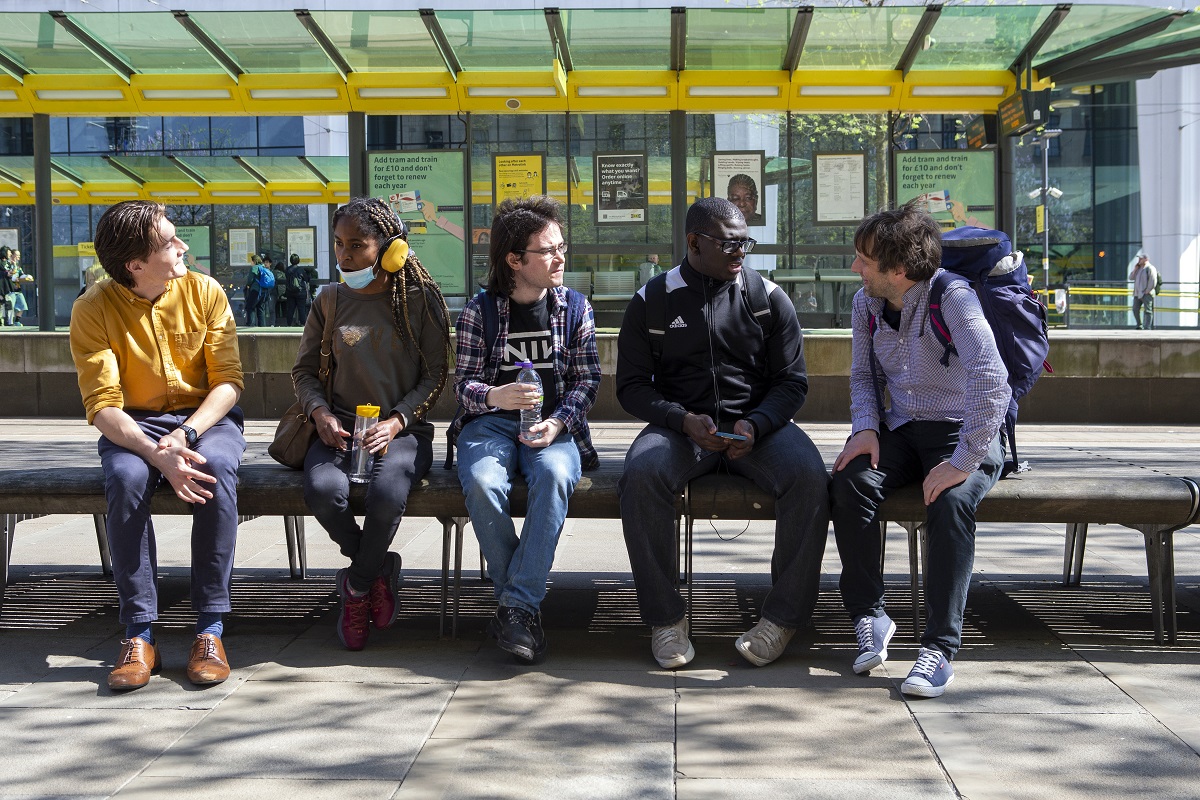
(958, 187)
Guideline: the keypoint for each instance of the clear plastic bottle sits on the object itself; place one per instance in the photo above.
(361, 461)
(530, 416)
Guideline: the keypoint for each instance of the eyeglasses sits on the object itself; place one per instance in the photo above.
(549, 252)
(729, 246)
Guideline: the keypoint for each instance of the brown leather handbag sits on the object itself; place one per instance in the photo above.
(295, 432)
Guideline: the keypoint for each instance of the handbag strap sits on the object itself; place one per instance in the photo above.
(324, 373)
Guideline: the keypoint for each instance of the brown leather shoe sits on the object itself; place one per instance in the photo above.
(207, 664)
(138, 660)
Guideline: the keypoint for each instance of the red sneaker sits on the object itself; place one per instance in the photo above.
(353, 614)
(385, 593)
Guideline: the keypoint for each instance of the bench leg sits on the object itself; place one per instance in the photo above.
(916, 544)
(100, 521)
(452, 536)
(1073, 553)
(297, 545)
(1160, 566)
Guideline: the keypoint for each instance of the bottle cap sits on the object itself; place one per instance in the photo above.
(367, 411)
(525, 364)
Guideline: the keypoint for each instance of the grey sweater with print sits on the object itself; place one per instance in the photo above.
(372, 364)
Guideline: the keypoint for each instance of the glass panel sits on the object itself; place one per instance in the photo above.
(20, 167)
(265, 41)
(153, 168)
(619, 39)
(151, 42)
(1087, 25)
(737, 38)
(1179, 31)
(185, 135)
(858, 38)
(282, 168)
(489, 40)
(377, 41)
(218, 168)
(41, 45)
(980, 38)
(335, 168)
(91, 168)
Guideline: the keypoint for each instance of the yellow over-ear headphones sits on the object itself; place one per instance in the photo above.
(395, 253)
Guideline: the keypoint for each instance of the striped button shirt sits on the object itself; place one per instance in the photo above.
(576, 366)
(972, 390)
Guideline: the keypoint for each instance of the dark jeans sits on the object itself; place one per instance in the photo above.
(327, 493)
(1144, 304)
(906, 456)
(785, 463)
(129, 483)
(256, 310)
(294, 311)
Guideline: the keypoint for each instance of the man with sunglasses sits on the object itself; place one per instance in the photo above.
(535, 319)
(719, 379)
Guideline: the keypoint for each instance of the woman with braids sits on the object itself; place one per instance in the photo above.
(391, 340)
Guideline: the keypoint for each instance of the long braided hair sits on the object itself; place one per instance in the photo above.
(376, 220)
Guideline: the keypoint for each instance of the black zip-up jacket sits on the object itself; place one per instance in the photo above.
(716, 359)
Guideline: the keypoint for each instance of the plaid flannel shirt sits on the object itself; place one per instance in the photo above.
(576, 367)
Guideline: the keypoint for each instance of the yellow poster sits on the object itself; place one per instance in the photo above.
(1041, 219)
(518, 175)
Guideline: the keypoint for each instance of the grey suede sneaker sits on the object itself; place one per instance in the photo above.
(671, 646)
(873, 634)
(764, 643)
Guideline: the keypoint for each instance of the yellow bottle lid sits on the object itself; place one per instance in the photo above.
(367, 411)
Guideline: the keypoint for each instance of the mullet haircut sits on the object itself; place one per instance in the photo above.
(904, 239)
(516, 222)
(128, 232)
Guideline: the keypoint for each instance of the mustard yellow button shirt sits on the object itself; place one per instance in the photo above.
(164, 355)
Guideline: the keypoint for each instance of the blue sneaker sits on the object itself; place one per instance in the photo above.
(873, 634)
(930, 676)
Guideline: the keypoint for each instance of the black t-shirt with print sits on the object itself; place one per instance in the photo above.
(529, 339)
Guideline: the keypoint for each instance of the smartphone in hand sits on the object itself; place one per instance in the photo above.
(737, 437)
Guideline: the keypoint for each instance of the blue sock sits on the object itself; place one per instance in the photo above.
(210, 623)
(139, 629)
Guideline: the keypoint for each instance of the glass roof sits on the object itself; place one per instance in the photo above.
(504, 40)
(91, 168)
(619, 39)
(379, 41)
(20, 167)
(265, 41)
(281, 168)
(738, 38)
(217, 168)
(986, 37)
(148, 42)
(1086, 25)
(335, 168)
(859, 38)
(1180, 30)
(40, 44)
(153, 168)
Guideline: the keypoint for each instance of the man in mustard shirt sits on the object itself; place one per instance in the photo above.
(156, 350)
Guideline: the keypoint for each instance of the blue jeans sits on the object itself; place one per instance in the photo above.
(129, 484)
(489, 456)
(785, 463)
(327, 494)
(906, 455)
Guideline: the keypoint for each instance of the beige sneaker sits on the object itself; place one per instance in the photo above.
(671, 646)
(764, 643)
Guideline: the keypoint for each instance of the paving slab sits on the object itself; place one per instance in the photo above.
(308, 730)
(518, 769)
(82, 681)
(1170, 692)
(189, 788)
(571, 707)
(1054, 756)
(823, 731)
(749, 789)
(74, 752)
(397, 655)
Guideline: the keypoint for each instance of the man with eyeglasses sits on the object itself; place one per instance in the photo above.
(711, 356)
(525, 315)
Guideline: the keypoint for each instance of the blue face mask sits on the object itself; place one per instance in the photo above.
(359, 278)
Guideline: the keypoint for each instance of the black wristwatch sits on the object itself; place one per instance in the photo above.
(189, 433)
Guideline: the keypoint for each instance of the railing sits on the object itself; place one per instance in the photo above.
(1109, 304)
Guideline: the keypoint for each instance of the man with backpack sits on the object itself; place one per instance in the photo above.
(1146, 282)
(525, 315)
(711, 355)
(295, 292)
(259, 291)
(947, 407)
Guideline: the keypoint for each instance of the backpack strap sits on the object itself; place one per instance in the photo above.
(872, 325)
(937, 322)
(656, 316)
(756, 296)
